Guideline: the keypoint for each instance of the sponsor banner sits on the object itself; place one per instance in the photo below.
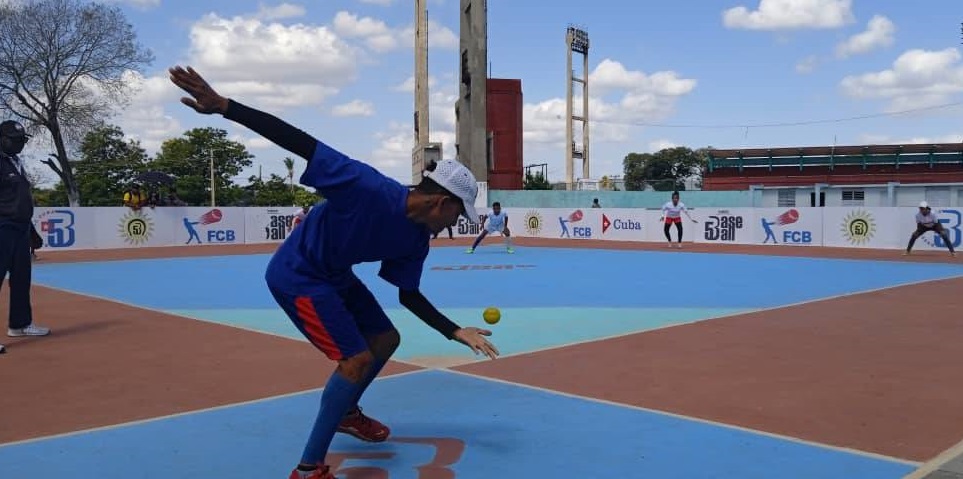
(722, 225)
(568, 223)
(268, 225)
(788, 226)
(200, 225)
(623, 224)
(950, 218)
(119, 227)
(862, 227)
(66, 228)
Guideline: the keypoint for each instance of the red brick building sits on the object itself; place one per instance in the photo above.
(504, 106)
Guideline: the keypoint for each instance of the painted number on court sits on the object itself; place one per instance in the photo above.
(722, 228)
(355, 465)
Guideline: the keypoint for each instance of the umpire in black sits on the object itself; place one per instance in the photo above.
(16, 228)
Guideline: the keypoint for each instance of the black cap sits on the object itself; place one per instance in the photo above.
(12, 129)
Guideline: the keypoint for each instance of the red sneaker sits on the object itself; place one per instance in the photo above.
(363, 427)
(322, 472)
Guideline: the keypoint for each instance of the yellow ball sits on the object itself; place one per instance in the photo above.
(492, 315)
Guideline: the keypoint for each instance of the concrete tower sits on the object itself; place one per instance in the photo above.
(472, 141)
(424, 151)
(577, 41)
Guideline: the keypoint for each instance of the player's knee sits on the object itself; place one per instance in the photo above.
(356, 367)
(385, 344)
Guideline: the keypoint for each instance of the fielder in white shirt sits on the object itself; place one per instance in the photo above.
(495, 222)
(672, 214)
(927, 221)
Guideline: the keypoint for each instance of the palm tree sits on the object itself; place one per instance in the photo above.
(289, 164)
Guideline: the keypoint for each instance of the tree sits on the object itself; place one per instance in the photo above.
(665, 170)
(63, 64)
(535, 181)
(108, 164)
(632, 166)
(289, 164)
(276, 192)
(188, 160)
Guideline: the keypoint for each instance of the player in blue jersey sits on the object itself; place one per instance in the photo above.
(366, 217)
(494, 223)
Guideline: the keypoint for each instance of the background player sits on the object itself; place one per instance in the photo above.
(366, 217)
(495, 222)
(927, 221)
(672, 214)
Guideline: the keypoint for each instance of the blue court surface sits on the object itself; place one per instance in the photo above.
(485, 429)
(505, 431)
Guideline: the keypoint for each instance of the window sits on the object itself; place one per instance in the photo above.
(853, 197)
(786, 199)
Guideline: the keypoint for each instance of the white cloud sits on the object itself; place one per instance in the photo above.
(280, 11)
(408, 86)
(296, 65)
(393, 154)
(144, 118)
(644, 97)
(917, 79)
(659, 145)
(807, 65)
(879, 33)
(790, 14)
(354, 108)
(379, 37)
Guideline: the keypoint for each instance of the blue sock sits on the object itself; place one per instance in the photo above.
(363, 385)
(336, 398)
(477, 240)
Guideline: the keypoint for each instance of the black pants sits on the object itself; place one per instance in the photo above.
(15, 260)
(450, 234)
(678, 226)
(937, 228)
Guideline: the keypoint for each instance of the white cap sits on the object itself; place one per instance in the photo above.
(458, 180)
(924, 204)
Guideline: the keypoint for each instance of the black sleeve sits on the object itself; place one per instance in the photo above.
(418, 304)
(272, 128)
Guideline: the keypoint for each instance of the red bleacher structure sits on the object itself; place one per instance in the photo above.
(834, 165)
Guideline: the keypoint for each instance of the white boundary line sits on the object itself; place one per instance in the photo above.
(185, 413)
(722, 316)
(690, 418)
(934, 464)
(575, 343)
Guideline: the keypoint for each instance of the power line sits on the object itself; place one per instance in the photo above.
(780, 124)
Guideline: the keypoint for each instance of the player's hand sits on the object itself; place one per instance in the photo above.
(474, 338)
(205, 100)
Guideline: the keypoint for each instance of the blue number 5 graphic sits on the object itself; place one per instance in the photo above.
(953, 228)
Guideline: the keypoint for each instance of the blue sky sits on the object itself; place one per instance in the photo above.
(338, 70)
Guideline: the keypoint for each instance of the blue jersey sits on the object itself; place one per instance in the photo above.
(364, 219)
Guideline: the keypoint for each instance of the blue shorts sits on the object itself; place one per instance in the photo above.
(336, 321)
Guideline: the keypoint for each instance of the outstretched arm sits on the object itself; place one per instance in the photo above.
(328, 170)
(418, 304)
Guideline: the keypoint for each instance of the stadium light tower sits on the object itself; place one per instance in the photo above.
(577, 41)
